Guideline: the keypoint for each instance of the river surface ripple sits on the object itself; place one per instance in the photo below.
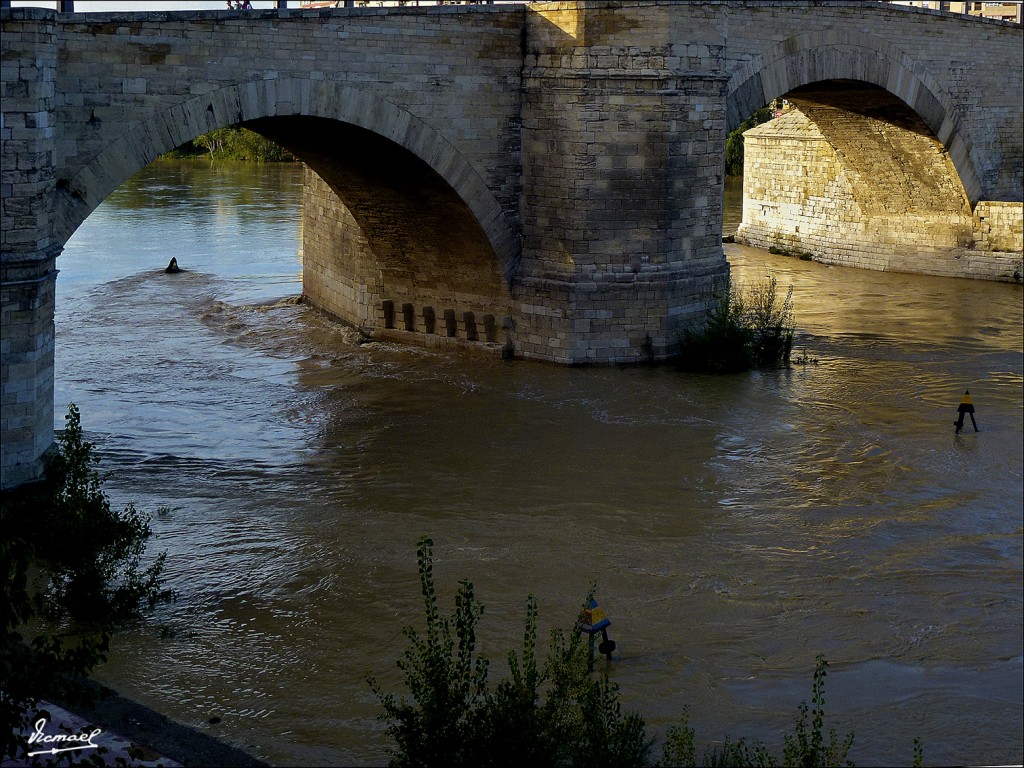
(736, 526)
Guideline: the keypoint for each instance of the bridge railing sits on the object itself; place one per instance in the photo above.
(68, 6)
(387, 3)
(379, 3)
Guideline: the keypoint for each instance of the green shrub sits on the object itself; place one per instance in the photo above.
(738, 753)
(72, 574)
(551, 714)
(94, 564)
(446, 678)
(771, 323)
(807, 748)
(741, 331)
(722, 345)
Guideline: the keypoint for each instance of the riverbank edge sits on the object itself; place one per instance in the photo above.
(178, 742)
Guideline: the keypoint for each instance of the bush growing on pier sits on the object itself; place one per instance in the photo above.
(555, 713)
(72, 573)
(742, 330)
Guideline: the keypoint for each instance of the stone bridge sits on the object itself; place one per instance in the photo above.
(542, 178)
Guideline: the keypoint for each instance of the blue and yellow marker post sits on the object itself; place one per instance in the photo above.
(966, 407)
(592, 620)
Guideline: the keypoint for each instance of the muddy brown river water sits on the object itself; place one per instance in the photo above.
(736, 526)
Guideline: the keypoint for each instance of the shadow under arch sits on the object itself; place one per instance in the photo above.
(841, 55)
(78, 196)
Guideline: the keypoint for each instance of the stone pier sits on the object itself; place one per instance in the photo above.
(28, 249)
(870, 193)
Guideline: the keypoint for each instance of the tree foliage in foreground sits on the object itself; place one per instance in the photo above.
(72, 573)
(549, 714)
(552, 713)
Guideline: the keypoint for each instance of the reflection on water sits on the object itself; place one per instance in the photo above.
(736, 526)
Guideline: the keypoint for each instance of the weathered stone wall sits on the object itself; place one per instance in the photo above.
(27, 346)
(446, 293)
(28, 56)
(962, 76)
(27, 88)
(606, 279)
(999, 227)
(618, 102)
(338, 275)
(441, 82)
(622, 174)
(860, 192)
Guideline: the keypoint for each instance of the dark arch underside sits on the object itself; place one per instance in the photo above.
(891, 158)
(387, 243)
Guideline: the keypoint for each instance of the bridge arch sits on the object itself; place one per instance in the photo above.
(260, 100)
(828, 55)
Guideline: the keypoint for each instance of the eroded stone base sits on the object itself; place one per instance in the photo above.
(627, 318)
(26, 390)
